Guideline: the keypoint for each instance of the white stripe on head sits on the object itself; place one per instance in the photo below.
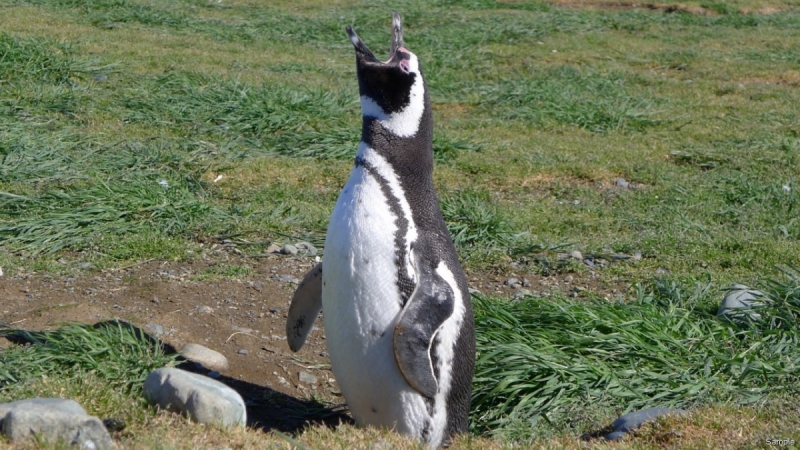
(404, 123)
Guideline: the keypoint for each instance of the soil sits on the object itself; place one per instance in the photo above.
(243, 318)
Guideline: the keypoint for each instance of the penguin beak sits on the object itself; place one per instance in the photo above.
(363, 52)
(397, 34)
(361, 48)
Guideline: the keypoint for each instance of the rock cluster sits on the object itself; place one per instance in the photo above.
(62, 421)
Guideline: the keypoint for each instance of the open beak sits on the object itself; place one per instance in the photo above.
(397, 40)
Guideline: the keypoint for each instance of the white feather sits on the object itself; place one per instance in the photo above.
(361, 303)
(403, 123)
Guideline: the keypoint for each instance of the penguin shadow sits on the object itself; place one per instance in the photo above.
(270, 410)
(267, 409)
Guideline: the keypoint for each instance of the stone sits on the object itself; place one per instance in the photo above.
(274, 248)
(576, 255)
(210, 359)
(53, 420)
(307, 378)
(307, 248)
(636, 419)
(520, 294)
(289, 249)
(155, 329)
(201, 398)
(741, 303)
(287, 279)
(620, 182)
(243, 351)
(512, 281)
(205, 309)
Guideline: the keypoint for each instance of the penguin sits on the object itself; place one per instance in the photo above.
(397, 313)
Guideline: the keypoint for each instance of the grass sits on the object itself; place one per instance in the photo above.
(543, 363)
(136, 130)
(116, 353)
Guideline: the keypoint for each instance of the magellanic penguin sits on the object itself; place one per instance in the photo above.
(397, 312)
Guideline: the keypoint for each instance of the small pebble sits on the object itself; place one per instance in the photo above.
(155, 328)
(588, 262)
(155, 299)
(620, 182)
(512, 281)
(307, 378)
(243, 352)
(307, 248)
(576, 255)
(289, 249)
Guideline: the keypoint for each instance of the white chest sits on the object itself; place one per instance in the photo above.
(361, 303)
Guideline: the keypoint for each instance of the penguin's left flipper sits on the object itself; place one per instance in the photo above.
(305, 307)
(429, 306)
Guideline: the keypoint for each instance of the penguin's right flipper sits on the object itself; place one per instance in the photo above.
(429, 306)
(305, 307)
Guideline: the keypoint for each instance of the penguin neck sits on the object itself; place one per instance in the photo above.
(410, 151)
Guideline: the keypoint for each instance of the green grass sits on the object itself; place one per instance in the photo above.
(544, 362)
(132, 130)
(114, 352)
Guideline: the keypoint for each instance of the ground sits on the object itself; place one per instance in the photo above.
(243, 317)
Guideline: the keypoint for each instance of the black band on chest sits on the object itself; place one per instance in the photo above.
(404, 282)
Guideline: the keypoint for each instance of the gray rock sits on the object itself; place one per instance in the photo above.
(210, 359)
(202, 399)
(620, 182)
(576, 255)
(512, 281)
(289, 249)
(53, 420)
(274, 248)
(741, 303)
(307, 378)
(155, 329)
(287, 279)
(243, 351)
(615, 436)
(520, 294)
(307, 248)
(636, 419)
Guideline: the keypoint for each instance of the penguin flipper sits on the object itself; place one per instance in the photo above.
(305, 307)
(429, 306)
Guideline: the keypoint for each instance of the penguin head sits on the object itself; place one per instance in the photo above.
(393, 86)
